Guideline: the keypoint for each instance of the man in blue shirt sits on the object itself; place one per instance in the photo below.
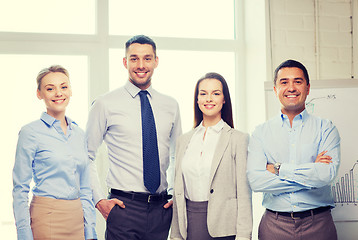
(292, 159)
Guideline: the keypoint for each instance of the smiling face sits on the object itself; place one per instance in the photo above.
(210, 100)
(291, 89)
(56, 92)
(140, 61)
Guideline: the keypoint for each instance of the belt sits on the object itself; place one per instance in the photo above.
(143, 197)
(304, 214)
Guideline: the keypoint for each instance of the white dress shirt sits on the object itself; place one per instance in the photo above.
(115, 118)
(197, 161)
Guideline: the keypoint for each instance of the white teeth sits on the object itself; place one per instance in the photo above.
(291, 96)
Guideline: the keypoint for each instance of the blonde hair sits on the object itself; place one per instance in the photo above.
(45, 71)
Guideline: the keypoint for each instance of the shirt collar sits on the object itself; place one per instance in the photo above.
(49, 120)
(134, 90)
(217, 127)
(300, 117)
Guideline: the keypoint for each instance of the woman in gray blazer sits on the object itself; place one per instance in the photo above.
(212, 198)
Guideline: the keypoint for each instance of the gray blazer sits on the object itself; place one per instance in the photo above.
(229, 206)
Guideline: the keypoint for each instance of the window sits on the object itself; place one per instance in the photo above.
(87, 37)
(206, 19)
(48, 16)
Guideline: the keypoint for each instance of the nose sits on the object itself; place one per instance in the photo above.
(58, 92)
(291, 87)
(209, 98)
(140, 63)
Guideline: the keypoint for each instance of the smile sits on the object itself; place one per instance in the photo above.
(141, 74)
(58, 100)
(291, 96)
(209, 106)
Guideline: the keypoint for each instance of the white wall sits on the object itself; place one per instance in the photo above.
(256, 72)
(316, 32)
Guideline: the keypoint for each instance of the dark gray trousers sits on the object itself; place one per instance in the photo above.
(138, 220)
(315, 227)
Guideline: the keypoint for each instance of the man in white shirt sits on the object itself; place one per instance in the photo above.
(134, 210)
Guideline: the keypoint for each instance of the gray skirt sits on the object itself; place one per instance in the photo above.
(197, 221)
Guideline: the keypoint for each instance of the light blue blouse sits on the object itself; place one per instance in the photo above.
(59, 167)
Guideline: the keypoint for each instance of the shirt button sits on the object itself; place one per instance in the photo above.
(211, 190)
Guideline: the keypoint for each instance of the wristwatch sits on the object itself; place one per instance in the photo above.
(277, 166)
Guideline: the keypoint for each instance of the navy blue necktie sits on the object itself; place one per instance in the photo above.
(151, 168)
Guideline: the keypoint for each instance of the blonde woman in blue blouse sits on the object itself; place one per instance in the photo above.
(52, 152)
(212, 197)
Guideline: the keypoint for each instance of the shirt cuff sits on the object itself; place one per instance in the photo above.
(170, 191)
(90, 233)
(24, 233)
(287, 171)
(97, 197)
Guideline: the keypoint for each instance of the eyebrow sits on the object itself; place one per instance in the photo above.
(51, 85)
(299, 78)
(147, 55)
(216, 90)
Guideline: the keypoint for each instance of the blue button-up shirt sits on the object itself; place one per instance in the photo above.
(301, 184)
(59, 167)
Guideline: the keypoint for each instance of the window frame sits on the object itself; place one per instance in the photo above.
(96, 48)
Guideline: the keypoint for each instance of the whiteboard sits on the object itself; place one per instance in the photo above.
(336, 100)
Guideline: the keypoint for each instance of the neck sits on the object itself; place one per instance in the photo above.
(210, 121)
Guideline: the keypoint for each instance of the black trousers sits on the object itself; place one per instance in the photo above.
(139, 220)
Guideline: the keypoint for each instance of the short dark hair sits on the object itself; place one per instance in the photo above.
(226, 111)
(292, 64)
(142, 39)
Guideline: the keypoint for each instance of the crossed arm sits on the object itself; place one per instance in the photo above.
(293, 175)
(321, 158)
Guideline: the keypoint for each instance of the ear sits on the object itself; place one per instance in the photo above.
(308, 89)
(125, 62)
(38, 94)
(156, 61)
(275, 90)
